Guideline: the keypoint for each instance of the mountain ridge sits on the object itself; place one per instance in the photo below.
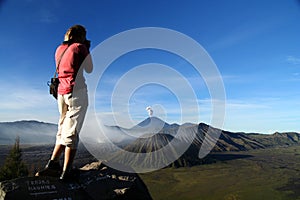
(29, 131)
(228, 141)
(194, 136)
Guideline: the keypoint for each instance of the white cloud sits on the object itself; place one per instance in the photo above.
(293, 60)
(265, 115)
(21, 102)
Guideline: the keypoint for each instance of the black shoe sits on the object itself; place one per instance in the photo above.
(52, 169)
(53, 165)
(69, 175)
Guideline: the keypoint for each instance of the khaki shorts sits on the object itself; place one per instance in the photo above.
(72, 111)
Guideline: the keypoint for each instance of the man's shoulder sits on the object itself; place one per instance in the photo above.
(60, 49)
(78, 47)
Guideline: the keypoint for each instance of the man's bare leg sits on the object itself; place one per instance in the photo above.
(68, 161)
(69, 157)
(57, 151)
(53, 163)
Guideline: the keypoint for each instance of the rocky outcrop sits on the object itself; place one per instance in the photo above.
(95, 181)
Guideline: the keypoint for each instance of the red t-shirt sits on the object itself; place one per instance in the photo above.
(69, 65)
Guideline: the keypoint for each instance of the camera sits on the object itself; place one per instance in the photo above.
(87, 43)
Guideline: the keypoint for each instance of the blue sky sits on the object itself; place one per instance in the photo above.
(255, 45)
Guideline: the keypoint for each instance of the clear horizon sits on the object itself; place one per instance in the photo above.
(170, 123)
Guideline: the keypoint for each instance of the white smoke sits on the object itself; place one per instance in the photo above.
(150, 111)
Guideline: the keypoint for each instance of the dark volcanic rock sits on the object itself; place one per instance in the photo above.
(96, 181)
(40, 188)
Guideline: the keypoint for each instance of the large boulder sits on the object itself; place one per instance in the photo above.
(95, 181)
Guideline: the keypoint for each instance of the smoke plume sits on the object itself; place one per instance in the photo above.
(150, 111)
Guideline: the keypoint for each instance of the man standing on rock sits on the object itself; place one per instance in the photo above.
(72, 58)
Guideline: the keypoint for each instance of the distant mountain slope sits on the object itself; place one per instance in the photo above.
(138, 158)
(150, 125)
(147, 153)
(277, 139)
(152, 134)
(30, 132)
(229, 141)
(149, 144)
(194, 134)
(152, 121)
(237, 141)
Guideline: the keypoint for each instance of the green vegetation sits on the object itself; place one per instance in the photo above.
(13, 166)
(260, 174)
